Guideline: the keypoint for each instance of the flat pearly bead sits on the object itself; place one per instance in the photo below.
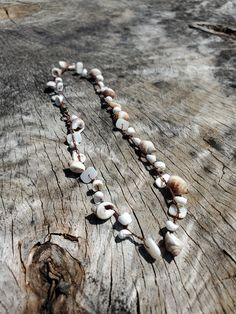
(180, 200)
(77, 166)
(130, 131)
(147, 147)
(124, 233)
(160, 183)
(152, 248)
(125, 219)
(97, 185)
(105, 210)
(56, 72)
(173, 211)
(160, 165)
(122, 124)
(51, 84)
(77, 124)
(171, 226)
(109, 92)
(178, 185)
(88, 175)
(79, 67)
(136, 141)
(98, 197)
(173, 244)
(63, 64)
(77, 138)
(151, 158)
(116, 109)
(95, 72)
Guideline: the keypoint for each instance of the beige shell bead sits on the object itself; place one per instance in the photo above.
(113, 104)
(63, 64)
(121, 115)
(160, 165)
(77, 166)
(151, 158)
(147, 147)
(136, 141)
(173, 244)
(95, 72)
(177, 185)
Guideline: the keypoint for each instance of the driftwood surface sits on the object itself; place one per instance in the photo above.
(177, 83)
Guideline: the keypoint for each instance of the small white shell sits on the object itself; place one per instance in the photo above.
(105, 210)
(94, 72)
(122, 124)
(71, 66)
(136, 141)
(63, 64)
(98, 197)
(173, 211)
(56, 72)
(116, 109)
(125, 219)
(58, 99)
(51, 84)
(77, 166)
(78, 124)
(88, 175)
(79, 67)
(108, 99)
(124, 233)
(100, 84)
(160, 165)
(160, 183)
(84, 73)
(97, 185)
(173, 244)
(99, 78)
(60, 86)
(171, 226)
(147, 147)
(151, 158)
(180, 200)
(177, 185)
(152, 248)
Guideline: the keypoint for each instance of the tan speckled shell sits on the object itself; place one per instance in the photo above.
(177, 185)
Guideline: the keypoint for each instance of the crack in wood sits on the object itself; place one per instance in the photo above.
(214, 29)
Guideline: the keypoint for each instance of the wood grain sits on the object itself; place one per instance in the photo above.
(178, 85)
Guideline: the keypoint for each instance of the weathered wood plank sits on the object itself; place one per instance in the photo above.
(178, 86)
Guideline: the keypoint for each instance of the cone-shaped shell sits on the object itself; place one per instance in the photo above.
(152, 248)
(173, 244)
(177, 185)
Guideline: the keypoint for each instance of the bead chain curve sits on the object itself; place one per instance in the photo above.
(105, 210)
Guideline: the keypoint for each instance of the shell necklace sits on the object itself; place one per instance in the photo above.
(102, 209)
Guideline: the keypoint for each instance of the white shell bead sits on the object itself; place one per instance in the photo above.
(63, 64)
(136, 141)
(98, 197)
(116, 109)
(171, 226)
(180, 200)
(77, 123)
(60, 86)
(84, 73)
(125, 219)
(151, 158)
(105, 210)
(152, 248)
(79, 67)
(147, 147)
(58, 79)
(108, 99)
(124, 233)
(58, 99)
(56, 72)
(173, 211)
(160, 165)
(77, 137)
(95, 72)
(173, 244)
(97, 185)
(88, 175)
(51, 84)
(101, 84)
(77, 166)
(122, 124)
(130, 131)
(161, 184)
(99, 78)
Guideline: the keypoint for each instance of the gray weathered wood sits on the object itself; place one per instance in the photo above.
(178, 84)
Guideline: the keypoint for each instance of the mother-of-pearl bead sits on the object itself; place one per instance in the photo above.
(173, 211)
(122, 124)
(152, 248)
(151, 158)
(63, 64)
(98, 197)
(171, 226)
(136, 141)
(125, 219)
(160, 183)
(180, 200)
(160, 165)
(56, 72)
(79, 67)
(88, 175)
(77, 166)
(173, 244)
(97, 185)
(124, 233)
(147, 147)
(177, 185)
(105, 210)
